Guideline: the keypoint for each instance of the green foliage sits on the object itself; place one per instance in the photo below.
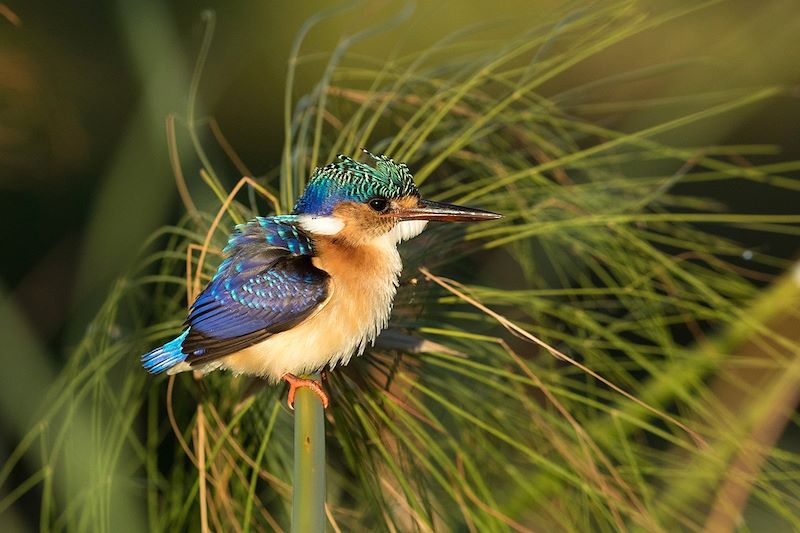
(592, 373)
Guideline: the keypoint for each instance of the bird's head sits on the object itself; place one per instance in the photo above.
(356, 203)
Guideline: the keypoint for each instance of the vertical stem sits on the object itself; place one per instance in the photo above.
(201, 460)
(308, 500)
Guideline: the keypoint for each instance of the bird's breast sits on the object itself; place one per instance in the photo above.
(363, 282)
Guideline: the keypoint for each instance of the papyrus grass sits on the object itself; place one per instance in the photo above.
(585, 364)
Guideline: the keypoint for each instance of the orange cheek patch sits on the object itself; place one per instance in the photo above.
(360, 223)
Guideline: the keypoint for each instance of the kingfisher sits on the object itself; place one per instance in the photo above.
(302, 292)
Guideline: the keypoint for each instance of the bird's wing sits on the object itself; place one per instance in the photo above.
(267, 284)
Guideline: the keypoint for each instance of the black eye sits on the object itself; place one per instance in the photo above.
(378, 204)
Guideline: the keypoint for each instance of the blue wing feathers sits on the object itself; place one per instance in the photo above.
(267, 284)
(237, 303)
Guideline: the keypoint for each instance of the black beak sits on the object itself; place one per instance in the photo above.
(427, 210)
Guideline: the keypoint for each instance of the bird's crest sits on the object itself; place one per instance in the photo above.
(350, 180)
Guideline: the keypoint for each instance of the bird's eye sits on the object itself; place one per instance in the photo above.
(378, 204)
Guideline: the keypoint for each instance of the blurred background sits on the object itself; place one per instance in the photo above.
(85, 89)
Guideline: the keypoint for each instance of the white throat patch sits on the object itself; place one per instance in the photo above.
(322, 225)
(407, 229)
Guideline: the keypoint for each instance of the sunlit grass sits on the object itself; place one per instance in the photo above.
(603, 362)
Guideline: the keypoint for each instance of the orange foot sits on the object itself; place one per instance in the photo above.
(295, 383)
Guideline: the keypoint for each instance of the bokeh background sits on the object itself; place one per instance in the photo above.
(85, 89)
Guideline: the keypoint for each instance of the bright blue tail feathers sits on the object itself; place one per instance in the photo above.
(166, 356)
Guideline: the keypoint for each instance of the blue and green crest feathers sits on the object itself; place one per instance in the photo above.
(349, 180)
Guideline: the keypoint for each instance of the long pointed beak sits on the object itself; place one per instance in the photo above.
(427, 210)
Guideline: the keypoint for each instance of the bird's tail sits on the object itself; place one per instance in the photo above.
(165, 357)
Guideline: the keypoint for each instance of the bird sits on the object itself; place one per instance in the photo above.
(299, 293)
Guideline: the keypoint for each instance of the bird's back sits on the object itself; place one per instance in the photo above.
(266, 285)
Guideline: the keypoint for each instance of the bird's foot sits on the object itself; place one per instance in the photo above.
(296, 383)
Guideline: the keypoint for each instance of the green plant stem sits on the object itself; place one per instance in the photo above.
(308, 500)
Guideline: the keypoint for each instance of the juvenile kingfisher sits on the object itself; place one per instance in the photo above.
(300, 292)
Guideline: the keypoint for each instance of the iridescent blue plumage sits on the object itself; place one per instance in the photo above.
(267, 284)
(165, 357)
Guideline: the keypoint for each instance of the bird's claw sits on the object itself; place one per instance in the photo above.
(296, 383)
